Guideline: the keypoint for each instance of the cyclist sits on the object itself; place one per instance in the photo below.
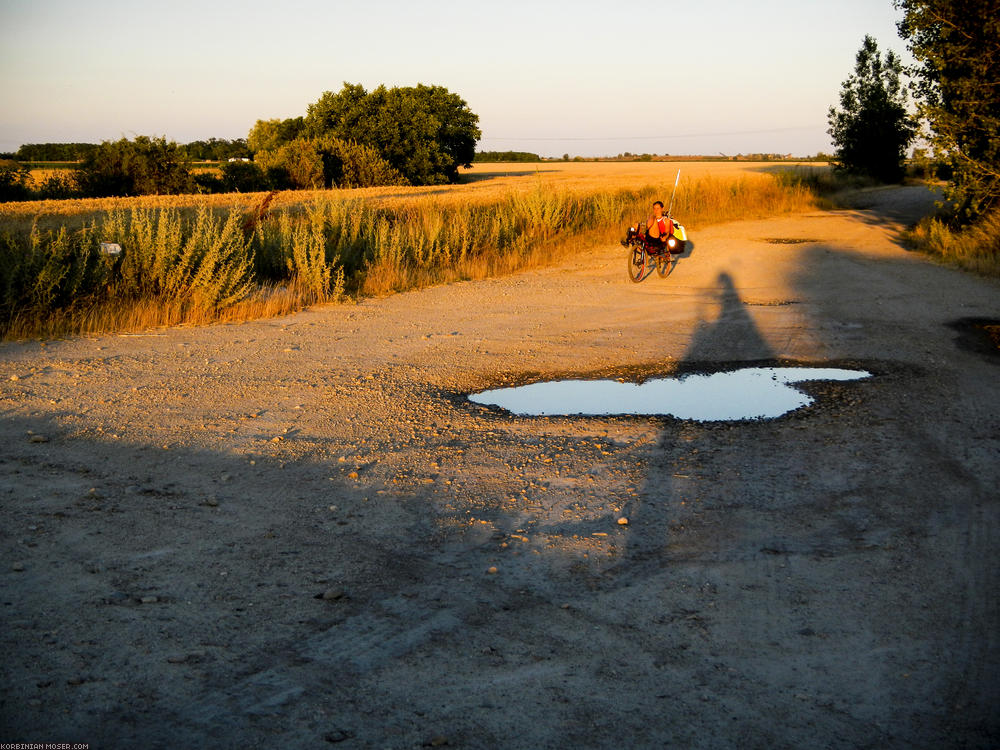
(657, 226)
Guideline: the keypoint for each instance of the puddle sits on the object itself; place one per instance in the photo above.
(750, 393)
(787, 241)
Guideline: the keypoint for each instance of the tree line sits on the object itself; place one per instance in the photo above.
(419, 135)
(212, 149)
(506, 156)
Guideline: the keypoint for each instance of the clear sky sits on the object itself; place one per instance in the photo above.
(585, 77)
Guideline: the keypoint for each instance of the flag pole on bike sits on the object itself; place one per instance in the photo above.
(671, 207)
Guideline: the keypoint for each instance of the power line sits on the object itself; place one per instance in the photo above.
(646, 137)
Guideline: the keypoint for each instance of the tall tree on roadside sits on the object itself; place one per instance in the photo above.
(424, 132)
(872, 129)
(957, 47)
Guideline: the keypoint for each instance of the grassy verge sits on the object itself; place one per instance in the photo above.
(206, 264)
(974, 248)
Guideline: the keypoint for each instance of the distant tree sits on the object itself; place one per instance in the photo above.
(565, 157)
(143, 166)
(955, 43)
(424, 132)
(54, 151)
(872, 129)
(243, 177)
(504, 156)
(269, 135)
(217, 149)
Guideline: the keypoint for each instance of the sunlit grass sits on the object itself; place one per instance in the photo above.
(200, 259)
(975, 247)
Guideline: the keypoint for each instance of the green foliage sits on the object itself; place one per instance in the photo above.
(57, 187)
(14, 180)
(54, 151)
(202, 262)
(424, 132)
(48, 271)
(243, 177)
(503, 156)
(871, 129)
(144, 166)
(270, 135)
(327, 162)
(217, 149)
(958, 87)
(298, 162)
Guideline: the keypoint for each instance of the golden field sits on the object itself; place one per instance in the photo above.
(481, 183)
(204, 258)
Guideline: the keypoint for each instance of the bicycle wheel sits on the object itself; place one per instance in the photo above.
(663, 263)
(637, 264)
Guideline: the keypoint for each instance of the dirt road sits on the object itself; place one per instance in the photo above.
(174, 503)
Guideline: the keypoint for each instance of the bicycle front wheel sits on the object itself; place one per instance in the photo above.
(637, 264)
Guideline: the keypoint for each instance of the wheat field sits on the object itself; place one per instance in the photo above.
(204, 258)
(480, 183)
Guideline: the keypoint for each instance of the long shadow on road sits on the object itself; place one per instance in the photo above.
(828, 574)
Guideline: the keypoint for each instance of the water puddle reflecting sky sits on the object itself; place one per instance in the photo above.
(749, 393)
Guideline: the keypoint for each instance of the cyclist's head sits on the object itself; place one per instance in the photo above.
(658, 208)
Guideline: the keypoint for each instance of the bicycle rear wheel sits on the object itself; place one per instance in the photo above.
(637, 264)
(663, 263)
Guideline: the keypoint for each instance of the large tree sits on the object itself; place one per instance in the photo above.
(424, 132)
(872, 128)
(957, 47)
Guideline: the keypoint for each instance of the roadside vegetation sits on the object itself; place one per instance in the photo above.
(954, 86)
(204, 264)
(955, 82)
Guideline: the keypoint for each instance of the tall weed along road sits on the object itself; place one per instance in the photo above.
(299, 529)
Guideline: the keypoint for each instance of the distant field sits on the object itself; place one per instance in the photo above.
(482, 183)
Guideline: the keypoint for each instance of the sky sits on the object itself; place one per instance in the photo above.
(585, 78)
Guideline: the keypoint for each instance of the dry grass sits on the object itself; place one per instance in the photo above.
(314, 245)
(154, 312)
(975, 248)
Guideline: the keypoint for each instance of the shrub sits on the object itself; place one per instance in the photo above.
(14, 181)
(144, 166)
(975, 246)
(243, 177)
(207, 182)
(326, 162)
